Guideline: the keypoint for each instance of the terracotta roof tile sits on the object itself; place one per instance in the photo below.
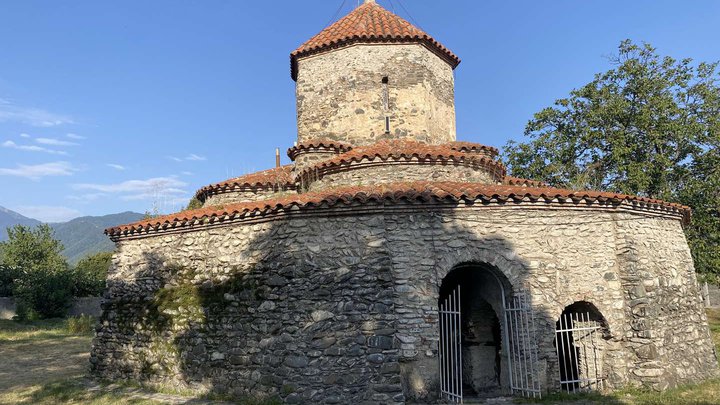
(318, 143)
(519, 181)
(369, 23)
(271, 178)
(419, 192)
(402, 148)
(473, 147)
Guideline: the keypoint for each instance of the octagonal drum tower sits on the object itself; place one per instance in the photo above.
(391, 263)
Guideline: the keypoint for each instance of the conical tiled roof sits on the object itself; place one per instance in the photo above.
(366, 24)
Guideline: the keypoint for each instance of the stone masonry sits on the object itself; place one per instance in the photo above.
(321, 282)
(340, 95)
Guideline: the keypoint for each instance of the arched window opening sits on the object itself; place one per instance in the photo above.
(580, 335)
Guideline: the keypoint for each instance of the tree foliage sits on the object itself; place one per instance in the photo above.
(649, 126)
(90, 274)
(43, 283)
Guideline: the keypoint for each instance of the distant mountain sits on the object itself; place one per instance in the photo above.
(83, 236)
(10, 218)
(80, 236)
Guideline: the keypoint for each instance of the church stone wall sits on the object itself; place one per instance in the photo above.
(330, 309)
(231, 197)
(340, 95)
(368, 173)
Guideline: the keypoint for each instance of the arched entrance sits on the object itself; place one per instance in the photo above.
(487, 345)
(580, 335)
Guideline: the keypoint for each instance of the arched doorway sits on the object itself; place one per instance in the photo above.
(477, 351)
(580, 335)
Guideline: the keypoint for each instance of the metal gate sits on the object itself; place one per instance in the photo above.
(451, 348)
(578, 344)
(521, 344)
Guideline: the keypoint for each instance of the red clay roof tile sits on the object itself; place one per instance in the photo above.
(434, 192)
(402, 148)
(519, 181)
(318, 143)
(369, 22)
(271, 178)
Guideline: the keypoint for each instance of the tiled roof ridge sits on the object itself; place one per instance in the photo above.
(519, 181)
(277, 176)
(402, 148)
(318, 143)
(369, 23)
(460, 145)
(394, 193)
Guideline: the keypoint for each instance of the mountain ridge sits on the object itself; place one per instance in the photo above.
(80, 236)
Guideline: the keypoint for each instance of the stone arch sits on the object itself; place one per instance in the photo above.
(505, 263)
(600, 310)
(484, 291)
(581, 344)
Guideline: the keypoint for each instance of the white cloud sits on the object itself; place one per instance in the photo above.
(187, 173)
(75, 136)
(190, 157)
(195, 157)
(31, 148)
(54, 142)
(10, 112)
(157, 188)
(24, 135)
(36, 172)
(48, 213)
(116, 166)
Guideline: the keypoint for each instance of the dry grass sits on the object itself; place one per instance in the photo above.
(43, 363)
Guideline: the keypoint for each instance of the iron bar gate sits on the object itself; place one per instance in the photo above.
(521, 344)
(451, 348)
(577, 343)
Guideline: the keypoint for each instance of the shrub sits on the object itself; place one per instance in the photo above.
(90, 274)
(81, 325)
(43, 294)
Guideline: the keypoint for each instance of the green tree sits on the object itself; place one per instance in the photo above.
(43, 286)
(90, 274)
(8, 275)
(649, 126)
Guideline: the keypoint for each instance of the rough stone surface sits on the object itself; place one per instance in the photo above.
(340, 95)
(370, 172)
(325, 309)
(337, 302)
(245, 195)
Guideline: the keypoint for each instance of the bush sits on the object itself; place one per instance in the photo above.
(81, 325)
(90, 274)
(43, 294)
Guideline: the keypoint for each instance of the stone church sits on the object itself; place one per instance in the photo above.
(391, 263)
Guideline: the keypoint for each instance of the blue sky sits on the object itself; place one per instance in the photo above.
(114, 106)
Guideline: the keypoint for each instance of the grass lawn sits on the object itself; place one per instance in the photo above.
(43, 363)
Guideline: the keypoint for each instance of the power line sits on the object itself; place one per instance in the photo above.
(409, 15)
(334, 17)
